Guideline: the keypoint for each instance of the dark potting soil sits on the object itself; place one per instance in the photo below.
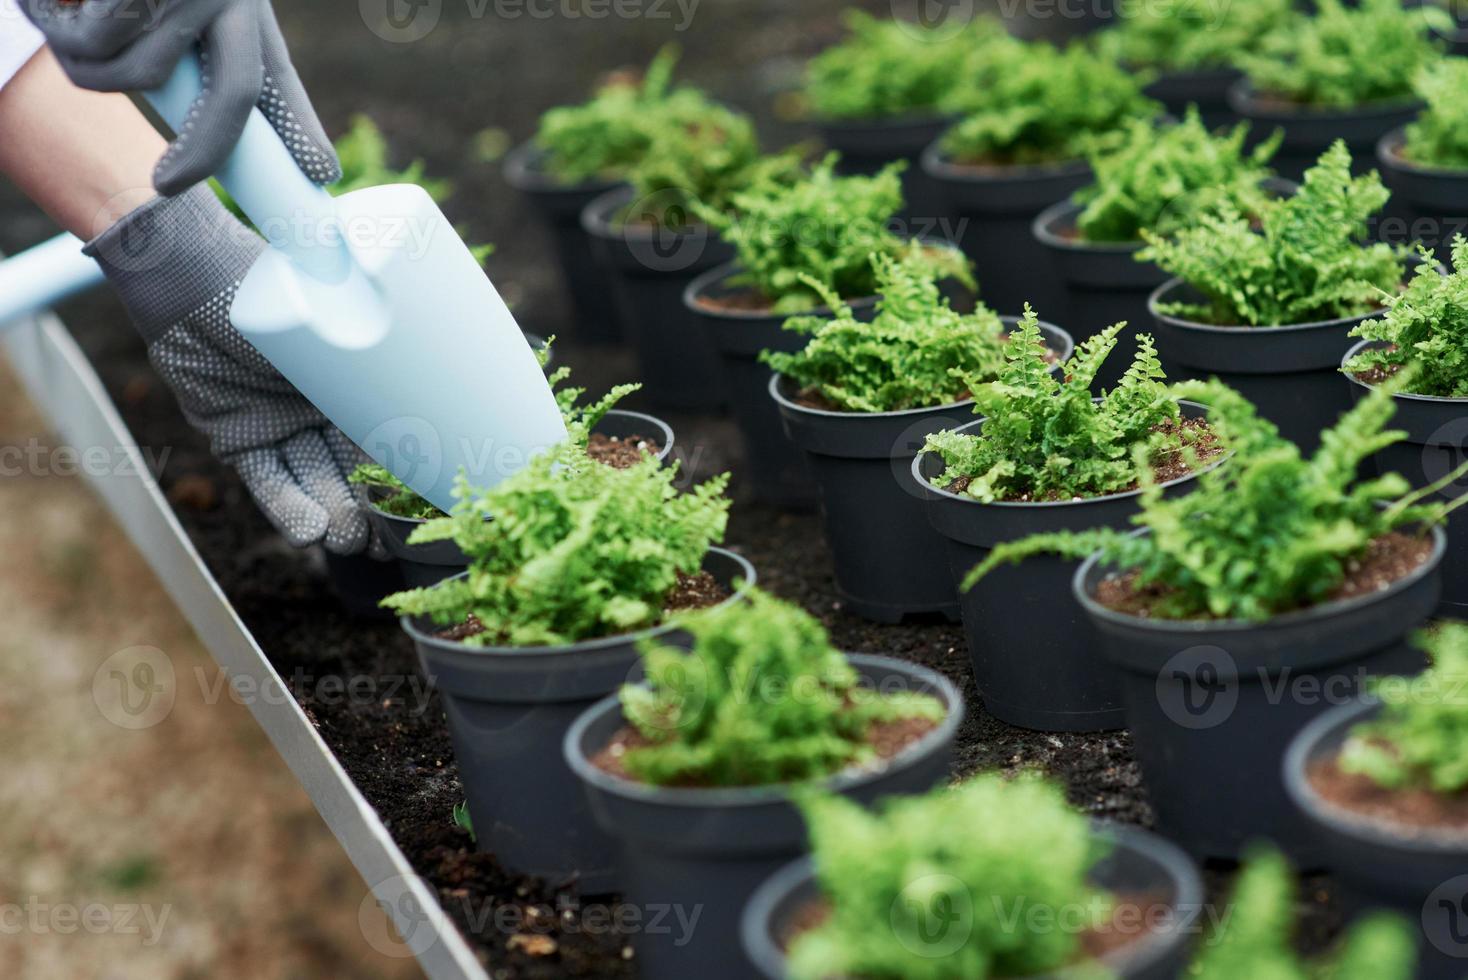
(1387, 559)
(1407, 812)
(620, 452)
(697, 591)
(885, 738)
(1172, 466)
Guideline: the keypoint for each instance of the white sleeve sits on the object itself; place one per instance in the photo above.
(19, 40)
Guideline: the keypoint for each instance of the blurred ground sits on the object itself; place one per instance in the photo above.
(183, 850)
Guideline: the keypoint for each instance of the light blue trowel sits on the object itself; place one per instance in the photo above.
(369, 303)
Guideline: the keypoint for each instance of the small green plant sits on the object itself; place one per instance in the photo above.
(1420, 740)
(761, 698)
(1161, 178)
(1427, 327)
(463, 820)
(1304, 259)
(607, 136)
(886, 68)
(575, 550)
(1046, 438)
(916, 353)
(392, 496)
(1438, 137)
(1003, 852)
(1035, 104)
(799, 240)
(1204, 558)
(1345, 56)
(1254, 941)
(1192, 35)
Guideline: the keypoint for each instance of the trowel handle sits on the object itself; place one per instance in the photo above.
(44, 275)
(295, 216)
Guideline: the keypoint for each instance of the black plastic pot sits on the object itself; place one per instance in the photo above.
(1101, 283)
(1212, 704)
(508, 710)
(649, 267)
(1413, 871)
(1432, 204)
(704, 851)
(427, 564)
(1437, 439)
(868, 145)
(887, 556)
(1138, 863)
(995, 207)
(559, 206)
(1309, 132)
(1033, 650)
(776, 468)
(361, 583)
(1290, 373)
(1207, 88)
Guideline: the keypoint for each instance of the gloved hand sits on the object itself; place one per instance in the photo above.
(127, 46)
(177, 262)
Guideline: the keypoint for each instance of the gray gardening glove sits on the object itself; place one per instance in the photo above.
(177, 262)
(133, 46)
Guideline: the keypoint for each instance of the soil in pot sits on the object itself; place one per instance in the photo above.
(509, 708)
(703, 851)
(886, 554)
(1032, 647)
(559, 207)
(1212, 703)
(1404, 849)
(996, 205)
(649, 267)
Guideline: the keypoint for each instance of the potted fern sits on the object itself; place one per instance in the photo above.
(1267, 303)
(1342, 72)
(1255, 938)
(1425, 163)
(1046, 457)
(819, 229)
(859, 399)
(991, 879)
(1192, 47)
(693, 772)
(651, 239)
(886, 91)
(1147, 176)
(580, 562)
(1239, 610)
(1383, 785)
(1425, 331)
(581, 152)
(1019, 148)
(611, 436)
